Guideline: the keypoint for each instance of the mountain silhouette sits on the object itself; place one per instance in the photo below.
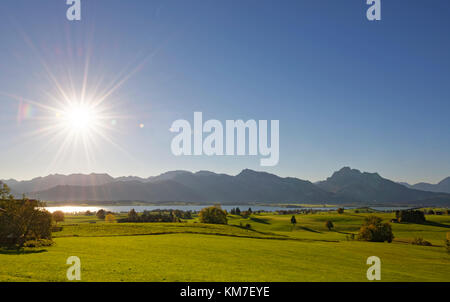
(346, 186)
(443, 186)
(50, 181)
(353, 185)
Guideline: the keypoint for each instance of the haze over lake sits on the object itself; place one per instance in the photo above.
(119, 209)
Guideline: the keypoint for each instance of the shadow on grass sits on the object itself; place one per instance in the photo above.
(14, 251)
(259, 220)
(342, 232)
(436, 224)
(309, 230)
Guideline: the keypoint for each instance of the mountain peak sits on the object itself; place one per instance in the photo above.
(445, 181)
(346, 172)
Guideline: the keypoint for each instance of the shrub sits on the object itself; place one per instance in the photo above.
(58, 216)
(329, 225)
(157, 216)
(340, 211)
(133, 216)
(374, 230)
(38, 243)
(245, 214)
(110, 218)
(213, 215)
(293, 220)
(420, 241)
(411, 216)
(101, 214)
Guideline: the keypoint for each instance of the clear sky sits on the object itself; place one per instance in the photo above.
(347, 92)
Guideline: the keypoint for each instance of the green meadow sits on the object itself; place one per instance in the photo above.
(271, 250)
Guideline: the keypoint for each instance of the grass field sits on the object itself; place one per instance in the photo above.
(272, 250)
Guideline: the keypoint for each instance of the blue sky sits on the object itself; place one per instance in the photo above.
(347, 92)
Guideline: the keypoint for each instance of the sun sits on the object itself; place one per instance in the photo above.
(79, 117)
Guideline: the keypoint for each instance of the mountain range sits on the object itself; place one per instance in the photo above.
(442, 186)
(346, 186)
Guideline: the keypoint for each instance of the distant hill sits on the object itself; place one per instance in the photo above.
(346, 186)
(443, 186)
(352, 185)
(121, 191)
(248, 186)
(203, 186)
(50, 181)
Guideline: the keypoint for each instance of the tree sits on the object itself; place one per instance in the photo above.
(245, 214)
(110, 218)
(213, 215)
(238, 211)
(5, 192)
(374, 230)
(293, 220)
(133, 216)
(329, 225)
(101, 214)
(413, 216)
(22, 220)
(58, 216)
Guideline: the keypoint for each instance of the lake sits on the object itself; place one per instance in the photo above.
(126, 209)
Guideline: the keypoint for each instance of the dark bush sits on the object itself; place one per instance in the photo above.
(101, 214)
(38, 243)
(157, 216)
(245, 214)
(132, 215)
(374, 230)
(412, 216)
(340, 211)
(293, 220)
(213, 215)
(329, 225)
(420, 241)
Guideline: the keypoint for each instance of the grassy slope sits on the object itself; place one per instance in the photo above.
(179, 255)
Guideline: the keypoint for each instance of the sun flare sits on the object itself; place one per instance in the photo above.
(80, 117)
